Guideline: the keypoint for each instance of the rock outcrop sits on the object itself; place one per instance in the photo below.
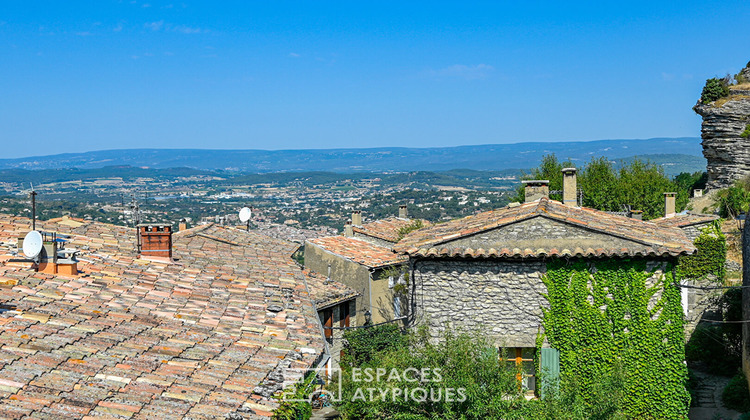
(724, 121)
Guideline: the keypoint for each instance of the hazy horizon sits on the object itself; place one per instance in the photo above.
(83, 76)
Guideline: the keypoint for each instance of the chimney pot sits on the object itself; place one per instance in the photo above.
(570, 187)
(536, 189)
(669, 204)
(403, 213)
(636, 214)
(357, 218)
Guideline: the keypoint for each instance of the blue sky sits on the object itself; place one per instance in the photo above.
(79, 76)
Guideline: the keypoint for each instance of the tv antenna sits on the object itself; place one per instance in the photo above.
(32, 194)
(32, 244)
(135, 211)
(245, 215)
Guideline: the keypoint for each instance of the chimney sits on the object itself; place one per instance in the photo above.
(155, 240)
(570, 187)
(669, 204)
(54, 258)
(403, 213)
(348, 231)
(536, 189)
(636, 214)
(357, 218)
(183, 225)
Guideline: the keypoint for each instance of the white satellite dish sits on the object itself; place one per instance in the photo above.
(245, 214)
(32, 244)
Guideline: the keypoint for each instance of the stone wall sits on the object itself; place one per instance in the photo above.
(502, 298)
(540, 232)
(727, 153)
(746, 302)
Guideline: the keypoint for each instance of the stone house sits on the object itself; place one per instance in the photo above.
(484, 272)
(363, 260)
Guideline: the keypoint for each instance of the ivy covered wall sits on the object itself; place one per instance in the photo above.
(710, 259)
(607, 315)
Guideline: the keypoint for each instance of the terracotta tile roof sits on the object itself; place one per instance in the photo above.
(359, 251)
(327, 293)
(685, 219)
(386, 229)
(654, 240)
(131, 337)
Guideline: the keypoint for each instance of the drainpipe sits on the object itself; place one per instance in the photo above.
(369, 294)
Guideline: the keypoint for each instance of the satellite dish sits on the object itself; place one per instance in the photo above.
(32, 244)
(245, 214)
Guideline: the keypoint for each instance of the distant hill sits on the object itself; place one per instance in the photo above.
(685, 152)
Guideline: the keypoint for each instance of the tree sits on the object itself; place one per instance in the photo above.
(599, 184)
(714, 89)
(638, 184)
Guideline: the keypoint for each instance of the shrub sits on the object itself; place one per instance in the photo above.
(364, 343)
(732, 201)
(714, 89)
(736, 394)
(745, 134)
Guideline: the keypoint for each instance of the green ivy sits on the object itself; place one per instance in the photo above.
(709, 259)
(600, 319)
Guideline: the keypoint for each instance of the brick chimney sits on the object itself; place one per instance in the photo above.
(403, 213)
(357, 218)
(669, 204)
(155, 240)
(348, 231)
(536, 189)
(570, 187)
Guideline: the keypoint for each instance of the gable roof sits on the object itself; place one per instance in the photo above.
(196, 338)
(359, 251)
(654, 240)
(386, 229)
(686, 219)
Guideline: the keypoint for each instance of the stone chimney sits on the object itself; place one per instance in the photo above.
(536, 189)
(155, 240)
(183, 225)
(669, 204)
(636, 214)
(403, 213)
(348, 231)
(357, 218)
(570, 187)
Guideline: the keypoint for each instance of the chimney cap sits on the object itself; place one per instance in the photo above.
(569, 170)
(154, 224)
(535, 182)
(670, 194)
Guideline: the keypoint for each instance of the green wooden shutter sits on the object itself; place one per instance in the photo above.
(550, 369)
